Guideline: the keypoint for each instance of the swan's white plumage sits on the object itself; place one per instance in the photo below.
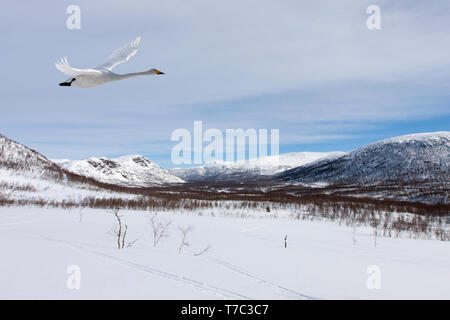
(64, 67)
(88, 78)
(121, 55)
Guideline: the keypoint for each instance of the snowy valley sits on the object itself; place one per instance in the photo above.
(180, 240)
(322, 261)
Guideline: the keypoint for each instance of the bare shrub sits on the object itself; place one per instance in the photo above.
(374, 223)
(184, 234)
(80, 215)
(355, 241)
(159, 228)
(121, 231)
(207, 249)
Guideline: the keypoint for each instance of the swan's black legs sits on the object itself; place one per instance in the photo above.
(67, 84)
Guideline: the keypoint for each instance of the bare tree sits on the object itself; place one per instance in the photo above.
(184, 234)
(124, 236)
(355, 242)
(159, 228)
(375, 224)
(80, 214)
(121, 236)
(118, 231)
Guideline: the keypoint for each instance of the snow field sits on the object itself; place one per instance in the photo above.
(247, 259)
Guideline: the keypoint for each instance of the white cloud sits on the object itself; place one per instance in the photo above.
(293, 65)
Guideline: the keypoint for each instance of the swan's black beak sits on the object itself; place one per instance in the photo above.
(159, 72)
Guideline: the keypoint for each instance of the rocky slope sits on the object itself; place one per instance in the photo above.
(27, 175)
(129, 171)
(219, 171)
(415, 158)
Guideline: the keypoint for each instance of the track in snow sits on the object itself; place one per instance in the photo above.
(249, 275)
(202, 286)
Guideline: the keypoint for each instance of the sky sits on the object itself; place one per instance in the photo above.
(311, 69)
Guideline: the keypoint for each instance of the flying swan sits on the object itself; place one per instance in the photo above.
(89, 78)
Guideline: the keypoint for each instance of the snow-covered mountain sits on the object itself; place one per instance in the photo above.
(412, 167)
(129, 171)
(415, 158)
(26, 175)
(14, 156)
(251, 169)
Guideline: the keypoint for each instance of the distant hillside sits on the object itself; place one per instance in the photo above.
(219, 171)
(129, 171)
(415, 158)
(27, 175)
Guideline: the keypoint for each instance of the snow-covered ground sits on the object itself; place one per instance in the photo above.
(32, 188)
(247, 259)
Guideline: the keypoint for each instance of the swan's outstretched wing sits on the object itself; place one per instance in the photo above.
(63, 66)
(121, 55)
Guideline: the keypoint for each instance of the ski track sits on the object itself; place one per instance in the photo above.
(181, 279)
(188, 281)
(202, 286)
(16, 223)
(249, 275)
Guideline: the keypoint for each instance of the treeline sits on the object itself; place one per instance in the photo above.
(387, 218)
(344, 204)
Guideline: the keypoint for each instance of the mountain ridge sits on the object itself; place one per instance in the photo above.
(250, 169)
(409, 158)
(129, 171)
